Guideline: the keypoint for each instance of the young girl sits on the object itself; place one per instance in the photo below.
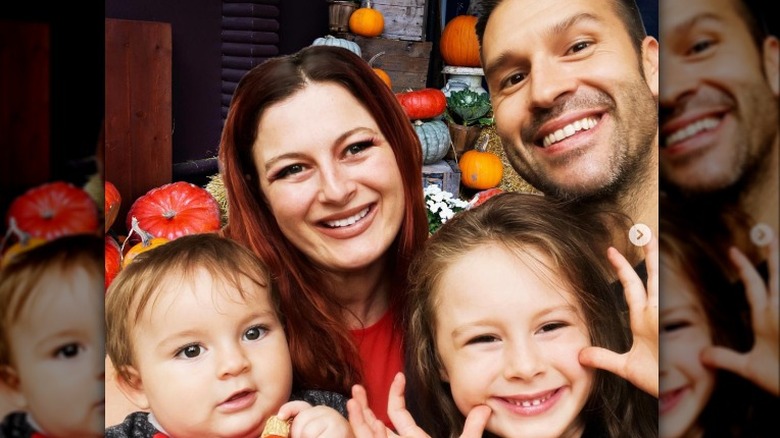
(513, 309)
(705, 329)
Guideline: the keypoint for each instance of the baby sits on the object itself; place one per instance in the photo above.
(51, 339)
(195, 334)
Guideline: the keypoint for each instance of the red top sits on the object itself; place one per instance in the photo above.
(381, 353)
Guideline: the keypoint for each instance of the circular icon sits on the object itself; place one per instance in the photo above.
(639, 234)
(761, 234)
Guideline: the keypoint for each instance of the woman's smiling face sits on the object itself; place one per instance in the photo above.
(330, 177)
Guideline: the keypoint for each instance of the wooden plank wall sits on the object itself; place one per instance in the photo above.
(406, 62)
(24, 108)
(404, 19)
(138, 124)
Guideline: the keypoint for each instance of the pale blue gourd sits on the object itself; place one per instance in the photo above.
(434, 138)
(330, 40)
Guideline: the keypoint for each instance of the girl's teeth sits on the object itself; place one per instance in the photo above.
(347, 221)
(534, 402)
(569, 130)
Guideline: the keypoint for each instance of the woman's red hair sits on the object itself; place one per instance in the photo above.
(323, 352)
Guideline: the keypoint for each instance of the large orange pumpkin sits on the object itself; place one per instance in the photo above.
(458, 44)
(367, 22)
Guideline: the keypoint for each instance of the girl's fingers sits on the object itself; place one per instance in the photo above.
(603, 358)
(755, 290)
(396, 410)
(476, 422)
(363, 422)
(633, 288)
(724, 358)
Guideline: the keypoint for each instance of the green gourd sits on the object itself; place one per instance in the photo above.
(434, 138)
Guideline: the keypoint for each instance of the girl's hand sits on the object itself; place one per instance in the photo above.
(760, 364)
(640, 364)
(365, 424)
(314, 421)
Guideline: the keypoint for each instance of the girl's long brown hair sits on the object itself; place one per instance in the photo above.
(323, 351)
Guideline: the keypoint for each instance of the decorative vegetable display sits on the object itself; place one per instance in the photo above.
(367, 21)
(434, 138)
(113, 200)
(113, 259)
(467, 107)
(330, 40)
(53, 210)
(458, 44)
(480, 169)
(148, 241)
(379, 72)
(423, 104)
(174, 210)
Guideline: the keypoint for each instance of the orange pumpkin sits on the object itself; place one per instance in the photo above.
(458, 44)
(148, 241)
(367, 22)
(479, 168)
(379, 72)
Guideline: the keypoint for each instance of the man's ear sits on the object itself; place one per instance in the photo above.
(771, 61)
(650, 63)
(10, 387)
(131, 386)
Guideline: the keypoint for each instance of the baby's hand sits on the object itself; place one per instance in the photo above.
(640, 364)
(314, 421)
(365, 424)
(760, 364)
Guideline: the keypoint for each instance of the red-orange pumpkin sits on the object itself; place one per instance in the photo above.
(55, 209)
(176, 209)
(113, 260)
(458, 44)
(113, 200)
(423, 104)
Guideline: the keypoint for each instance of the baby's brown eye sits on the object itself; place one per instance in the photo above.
(191, 351)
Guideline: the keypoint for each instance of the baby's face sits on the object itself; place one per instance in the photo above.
(210, 362)
(59, 355)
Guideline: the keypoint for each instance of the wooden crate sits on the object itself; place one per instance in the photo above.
(444, 173)
(404, 19)
(405, 61)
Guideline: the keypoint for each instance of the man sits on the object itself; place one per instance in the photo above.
(574, 86)
(720, 132)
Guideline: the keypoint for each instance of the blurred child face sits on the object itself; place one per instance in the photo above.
(210, 362)
(509, 333)
(686, 384)
(57, 349)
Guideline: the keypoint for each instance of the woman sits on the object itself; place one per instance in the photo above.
(323, 174)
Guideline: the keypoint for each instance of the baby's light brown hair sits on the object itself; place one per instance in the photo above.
(159, 270)
(20, 278)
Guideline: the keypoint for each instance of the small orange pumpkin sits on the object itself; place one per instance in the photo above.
(148, 241)
(367, 22)
(459, 45)
(379, 72)
(479, 168)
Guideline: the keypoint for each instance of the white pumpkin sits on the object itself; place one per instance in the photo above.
(330, 40)
(434, 138)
